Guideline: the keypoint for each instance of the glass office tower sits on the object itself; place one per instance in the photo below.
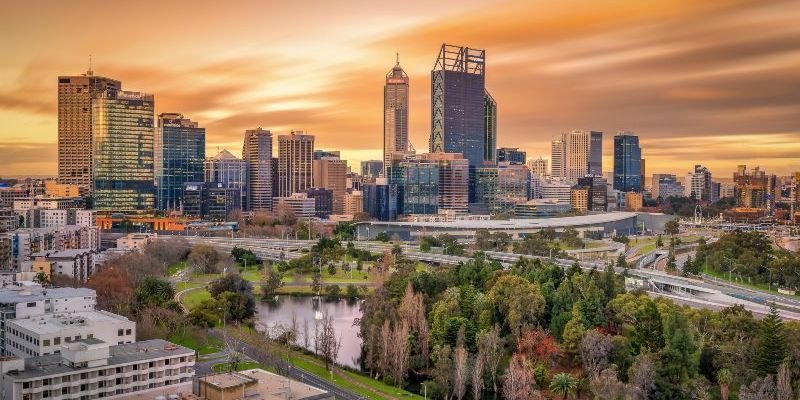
(180, 151)
(230, 171)
(458, 103)
(123, 132)
(627, 162)
(490, 128)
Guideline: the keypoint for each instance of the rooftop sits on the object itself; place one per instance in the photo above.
(591, 219)
(28, 294)
(52, 323)
(37, 367)
(66, 253)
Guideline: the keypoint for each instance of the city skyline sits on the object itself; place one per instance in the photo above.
(575, 65)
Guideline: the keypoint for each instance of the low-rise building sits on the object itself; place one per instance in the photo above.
(298, 203)
(136, 241)
(73, 263)
(44, 334)
(541, 209)
(91, 368)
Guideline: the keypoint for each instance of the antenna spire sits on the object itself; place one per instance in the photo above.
(89, 72)
(398, 58)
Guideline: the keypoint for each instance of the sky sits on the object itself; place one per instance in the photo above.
(701, 82)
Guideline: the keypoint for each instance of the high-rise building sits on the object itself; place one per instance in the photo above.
(373, 168)
(511, 154)
(180, 151)
(76, 97)
(627, 162)
(395, 113)
(558, 157)
(458, 100)
(428, 183)
(698, 183)
(754, 189)
(319, 154)
(503, 186)
(295, 163)
(210, 200)
(598, 191)
(257, 156)
(490, 128)
(634, 201)
(298, 204)
(666, 186)
(353, 202)
(538, 167)
(556, 190)
(323, 201)
(331, 173)
(380, 199)
(595, 152)
(122, 131)
(230, 171)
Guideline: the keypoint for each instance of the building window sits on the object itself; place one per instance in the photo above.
(127, 331)
(56, 341)
(119, 332)
(46, 342)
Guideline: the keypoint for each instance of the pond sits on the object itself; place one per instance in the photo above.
(277, 316)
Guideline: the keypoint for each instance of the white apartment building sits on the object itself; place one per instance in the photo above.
(74, 263)
(556, 190)
(91, 369)
(30, 301)
(45, 334)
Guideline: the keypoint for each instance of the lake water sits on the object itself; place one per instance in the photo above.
(279, 314)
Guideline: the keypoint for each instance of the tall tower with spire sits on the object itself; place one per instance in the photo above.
(395, 113)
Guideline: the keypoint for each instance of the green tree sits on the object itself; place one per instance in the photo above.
(672, 227)
(316, 282)
(678, 358)
(724, 379)
(659, 241)
(563, 384)
(382, 237)
(156, 292)
(271, 283)
(772, 346)
(518, 302)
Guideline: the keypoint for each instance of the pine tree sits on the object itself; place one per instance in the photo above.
(772, 347)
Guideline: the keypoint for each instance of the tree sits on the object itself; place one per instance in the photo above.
(332, 291)
(772, 348)
(271, 283)
(399, 352)
(477, 376)
(678, 360)
(204, 258)
(607, 386)
(331, 269)
(518, 301)
(759, 389)
(672, 227)
(573, 335)
(326, 342)
(671, 266)
(783, 390)
(724, 379)
(518, 381)
(595, 350)
(382, 237)
(352, 292)
(460, 371)
(156, 292)
(538, 346)
(491, 349)
(115, 289)
(316, 282)
(442, 368)
(41, 278)
(659, 241)
(642, 377)
(563, 384)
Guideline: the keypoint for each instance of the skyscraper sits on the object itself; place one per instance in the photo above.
(331, 173)
(627, 162)
(76, 96)
(373, 168)
(458, 101)
(698, 183)
(558, 157)
(577, 154)
(489, 127)
(257, 155)
(511, 154)
(538, 166)
(395, 113)
(295, 156)
(180, 151)
(229, 171)
(122, 131)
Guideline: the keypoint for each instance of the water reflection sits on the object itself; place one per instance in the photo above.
(277, 316)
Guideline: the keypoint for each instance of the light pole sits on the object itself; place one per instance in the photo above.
(223, 317)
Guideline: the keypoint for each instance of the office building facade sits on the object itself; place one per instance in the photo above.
(257, 156)
(627, 163)
(597, 187)
(76, 98)
(395, 113)
(230, 171)
(380, 199)
(512, 155)
(698, 183)
(323, 201)
(295, 163)
(754, 189)
(180, 152)
(489, 128)
(577, 154)
(373, 168)
(123, 134)
(331, 173)
(500, 188)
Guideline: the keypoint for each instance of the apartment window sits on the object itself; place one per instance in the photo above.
(46, 342)
(120, 332)
(31, 304)
(56, 341)
(127, 331)
(26, 385)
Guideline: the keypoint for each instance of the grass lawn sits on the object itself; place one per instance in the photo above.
(339, 277)
(174, 268)
(243, 366)
(194, 297)
(724, 276)
(342, 378)
(210, 345)
(186, 285)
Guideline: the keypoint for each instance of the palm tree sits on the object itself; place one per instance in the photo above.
(724, 378)
(563, 384)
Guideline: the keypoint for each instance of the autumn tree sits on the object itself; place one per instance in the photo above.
(538, 346)
(399, 352)
(518, 380)
(460, 371)
(491, 350)
(607, 386)
(783, 387)
(203, 258)
(443, 368)
(642, 377)
(326, 342)
(595, 350)
(477, 376)
(115, 289)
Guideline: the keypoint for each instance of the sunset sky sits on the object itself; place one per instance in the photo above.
(710, 82)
